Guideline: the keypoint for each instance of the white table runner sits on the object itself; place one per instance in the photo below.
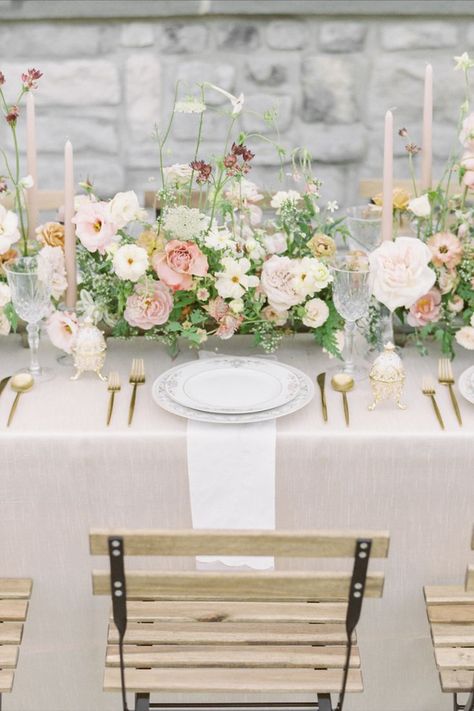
(231, 472)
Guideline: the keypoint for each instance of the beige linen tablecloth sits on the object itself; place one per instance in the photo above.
(62, 471)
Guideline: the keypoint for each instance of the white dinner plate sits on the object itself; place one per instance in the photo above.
(232, 385)
(466, 384)
(303, 394)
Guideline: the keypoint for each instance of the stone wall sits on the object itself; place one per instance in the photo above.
(330, 77)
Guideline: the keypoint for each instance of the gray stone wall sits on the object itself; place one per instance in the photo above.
(330, 77)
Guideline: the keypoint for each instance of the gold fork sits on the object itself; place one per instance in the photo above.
(446, 377)
(137, 377)
(429, 390)
(113, 387)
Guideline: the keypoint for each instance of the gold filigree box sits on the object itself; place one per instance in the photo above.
(387, 377)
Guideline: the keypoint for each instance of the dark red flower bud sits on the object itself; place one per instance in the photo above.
(12, 115)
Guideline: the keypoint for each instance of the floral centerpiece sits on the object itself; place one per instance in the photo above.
(443, 219)
(221, 257)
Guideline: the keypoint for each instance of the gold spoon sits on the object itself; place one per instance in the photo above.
(343, 383)
(20, 383)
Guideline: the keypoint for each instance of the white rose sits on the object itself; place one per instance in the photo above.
(124, 208)
(277, 283)
(316, 313)
(465, 337)
(399, 272)
(52, 269)
(5, 325)
(130, 262)
(236, 305)
(5, 294)
(279, 318)
(276, 243)
(178, 174)
(9, 232)
(420, 206)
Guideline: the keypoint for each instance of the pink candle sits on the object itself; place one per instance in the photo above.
(69, 227)
(32, 193)
(427, 149)
(387, 193)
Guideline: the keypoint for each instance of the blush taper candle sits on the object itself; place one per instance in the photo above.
(427, 142)
(31, 166)
(387, 192)
(69, 227)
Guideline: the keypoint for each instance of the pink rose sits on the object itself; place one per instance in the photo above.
(62, 328)
(426, 309)
(278, 283)
(94, 227)
(149, 305)
(177, 265)
(228, 322)
(446, 249)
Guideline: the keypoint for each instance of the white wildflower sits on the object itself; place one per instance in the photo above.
(233, 282)
(189, 105)
(186, 223)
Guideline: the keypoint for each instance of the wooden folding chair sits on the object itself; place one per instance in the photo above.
(450, 610)
(14, 596)
(278, 632)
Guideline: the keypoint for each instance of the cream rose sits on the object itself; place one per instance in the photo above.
(278, 283)
(130, 262)
(316, 313)
(465, 337)
(125, 208)
(399, 272)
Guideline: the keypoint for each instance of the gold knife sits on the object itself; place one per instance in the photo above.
(321, 380)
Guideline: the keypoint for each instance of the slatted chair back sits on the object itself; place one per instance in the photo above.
(276, 631)
(450, 610)
(369, 187)
(14, 598)
(48, 200)
(151, 200)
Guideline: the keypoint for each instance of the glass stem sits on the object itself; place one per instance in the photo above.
(33, 342)
(349, 348)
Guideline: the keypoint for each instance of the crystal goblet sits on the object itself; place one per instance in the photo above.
(351, 295)
(30, 290)
(365, 226)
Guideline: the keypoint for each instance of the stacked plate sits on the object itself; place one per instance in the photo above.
(232, 389)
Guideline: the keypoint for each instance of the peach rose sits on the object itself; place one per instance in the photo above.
(149, 305)
(426, 309)
(177, 265)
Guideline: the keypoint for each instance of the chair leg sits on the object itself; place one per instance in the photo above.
(324, 702)
(142, 702)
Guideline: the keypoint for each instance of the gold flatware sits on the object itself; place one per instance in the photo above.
(343, 383)
(321, 379)
(428, 389)
(113, 387)
(137, 377)
(4, 383)
(446, 377)
(20, 384)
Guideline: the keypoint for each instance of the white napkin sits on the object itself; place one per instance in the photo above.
(231, 471)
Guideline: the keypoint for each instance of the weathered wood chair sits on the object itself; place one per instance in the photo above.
(450, 610)
(48, 200)
(279, 632)
(14, 596)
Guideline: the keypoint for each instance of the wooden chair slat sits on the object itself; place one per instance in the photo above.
(369, 187)
(232, 656)
(13, 610)
(48, 200)
(162, 611)
(229, 680)
(451, 613)
(230, 633)
(321, 544)
(249, 586)
(448, 595)
(470, 579)
(6, 680)
(456, 680)
(11, 588)
(452, 635)
(8, 656)
(454, 657)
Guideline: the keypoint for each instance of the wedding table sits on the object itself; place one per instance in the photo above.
(62, 471)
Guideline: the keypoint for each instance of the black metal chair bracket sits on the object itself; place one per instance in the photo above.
(118, 591)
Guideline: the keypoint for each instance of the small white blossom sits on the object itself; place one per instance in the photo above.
(285, 197)
(463, 62)
(233, 282)
(332, 206)
(27, 182)
(237, 102)
(130, 262)
(189, 105)
(186, 223)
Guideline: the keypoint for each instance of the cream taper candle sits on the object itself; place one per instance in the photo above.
(69, 227)
(427, 142)
(31, 166)
(387, 192)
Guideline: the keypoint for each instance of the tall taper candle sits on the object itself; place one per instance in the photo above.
(69, 227)
(387, 193)
(32, 193)
(427, 143)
